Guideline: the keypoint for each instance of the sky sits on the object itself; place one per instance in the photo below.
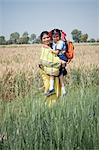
(35, 16)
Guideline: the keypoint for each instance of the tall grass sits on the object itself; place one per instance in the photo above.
(13, 85)
(27, 122)
(71, 123)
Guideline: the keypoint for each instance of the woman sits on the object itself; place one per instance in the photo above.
(49, 67)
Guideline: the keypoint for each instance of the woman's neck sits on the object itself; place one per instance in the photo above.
(45, 45)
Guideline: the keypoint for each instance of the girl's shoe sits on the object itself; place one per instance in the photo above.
(50, 92)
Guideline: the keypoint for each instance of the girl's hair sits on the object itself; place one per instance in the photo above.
(42, 34)
(56, 31)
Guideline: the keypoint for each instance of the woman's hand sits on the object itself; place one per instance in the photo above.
(54, 51)
(51, 51)
(63, 52)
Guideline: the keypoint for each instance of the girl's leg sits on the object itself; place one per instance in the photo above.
(51, 83)
(62, 84)
(51, 87)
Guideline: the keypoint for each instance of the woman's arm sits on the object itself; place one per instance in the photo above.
(55, 51)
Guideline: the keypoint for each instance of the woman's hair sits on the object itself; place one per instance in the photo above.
(42, 34)
(56, 31)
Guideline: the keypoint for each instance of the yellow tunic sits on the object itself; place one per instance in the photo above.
(51, 64)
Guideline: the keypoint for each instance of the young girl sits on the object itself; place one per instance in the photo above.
(59, 48)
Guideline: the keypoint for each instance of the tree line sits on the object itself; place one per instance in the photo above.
(15, 38)
(79, 37)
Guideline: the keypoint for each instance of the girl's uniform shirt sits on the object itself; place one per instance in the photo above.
(61, 46)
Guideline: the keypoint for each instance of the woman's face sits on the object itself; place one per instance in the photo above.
(46, 39)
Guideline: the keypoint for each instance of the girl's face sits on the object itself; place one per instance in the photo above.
(56, 38)
(46, 39)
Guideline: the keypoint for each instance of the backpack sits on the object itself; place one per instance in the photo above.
(69, 45)
(70, 51)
